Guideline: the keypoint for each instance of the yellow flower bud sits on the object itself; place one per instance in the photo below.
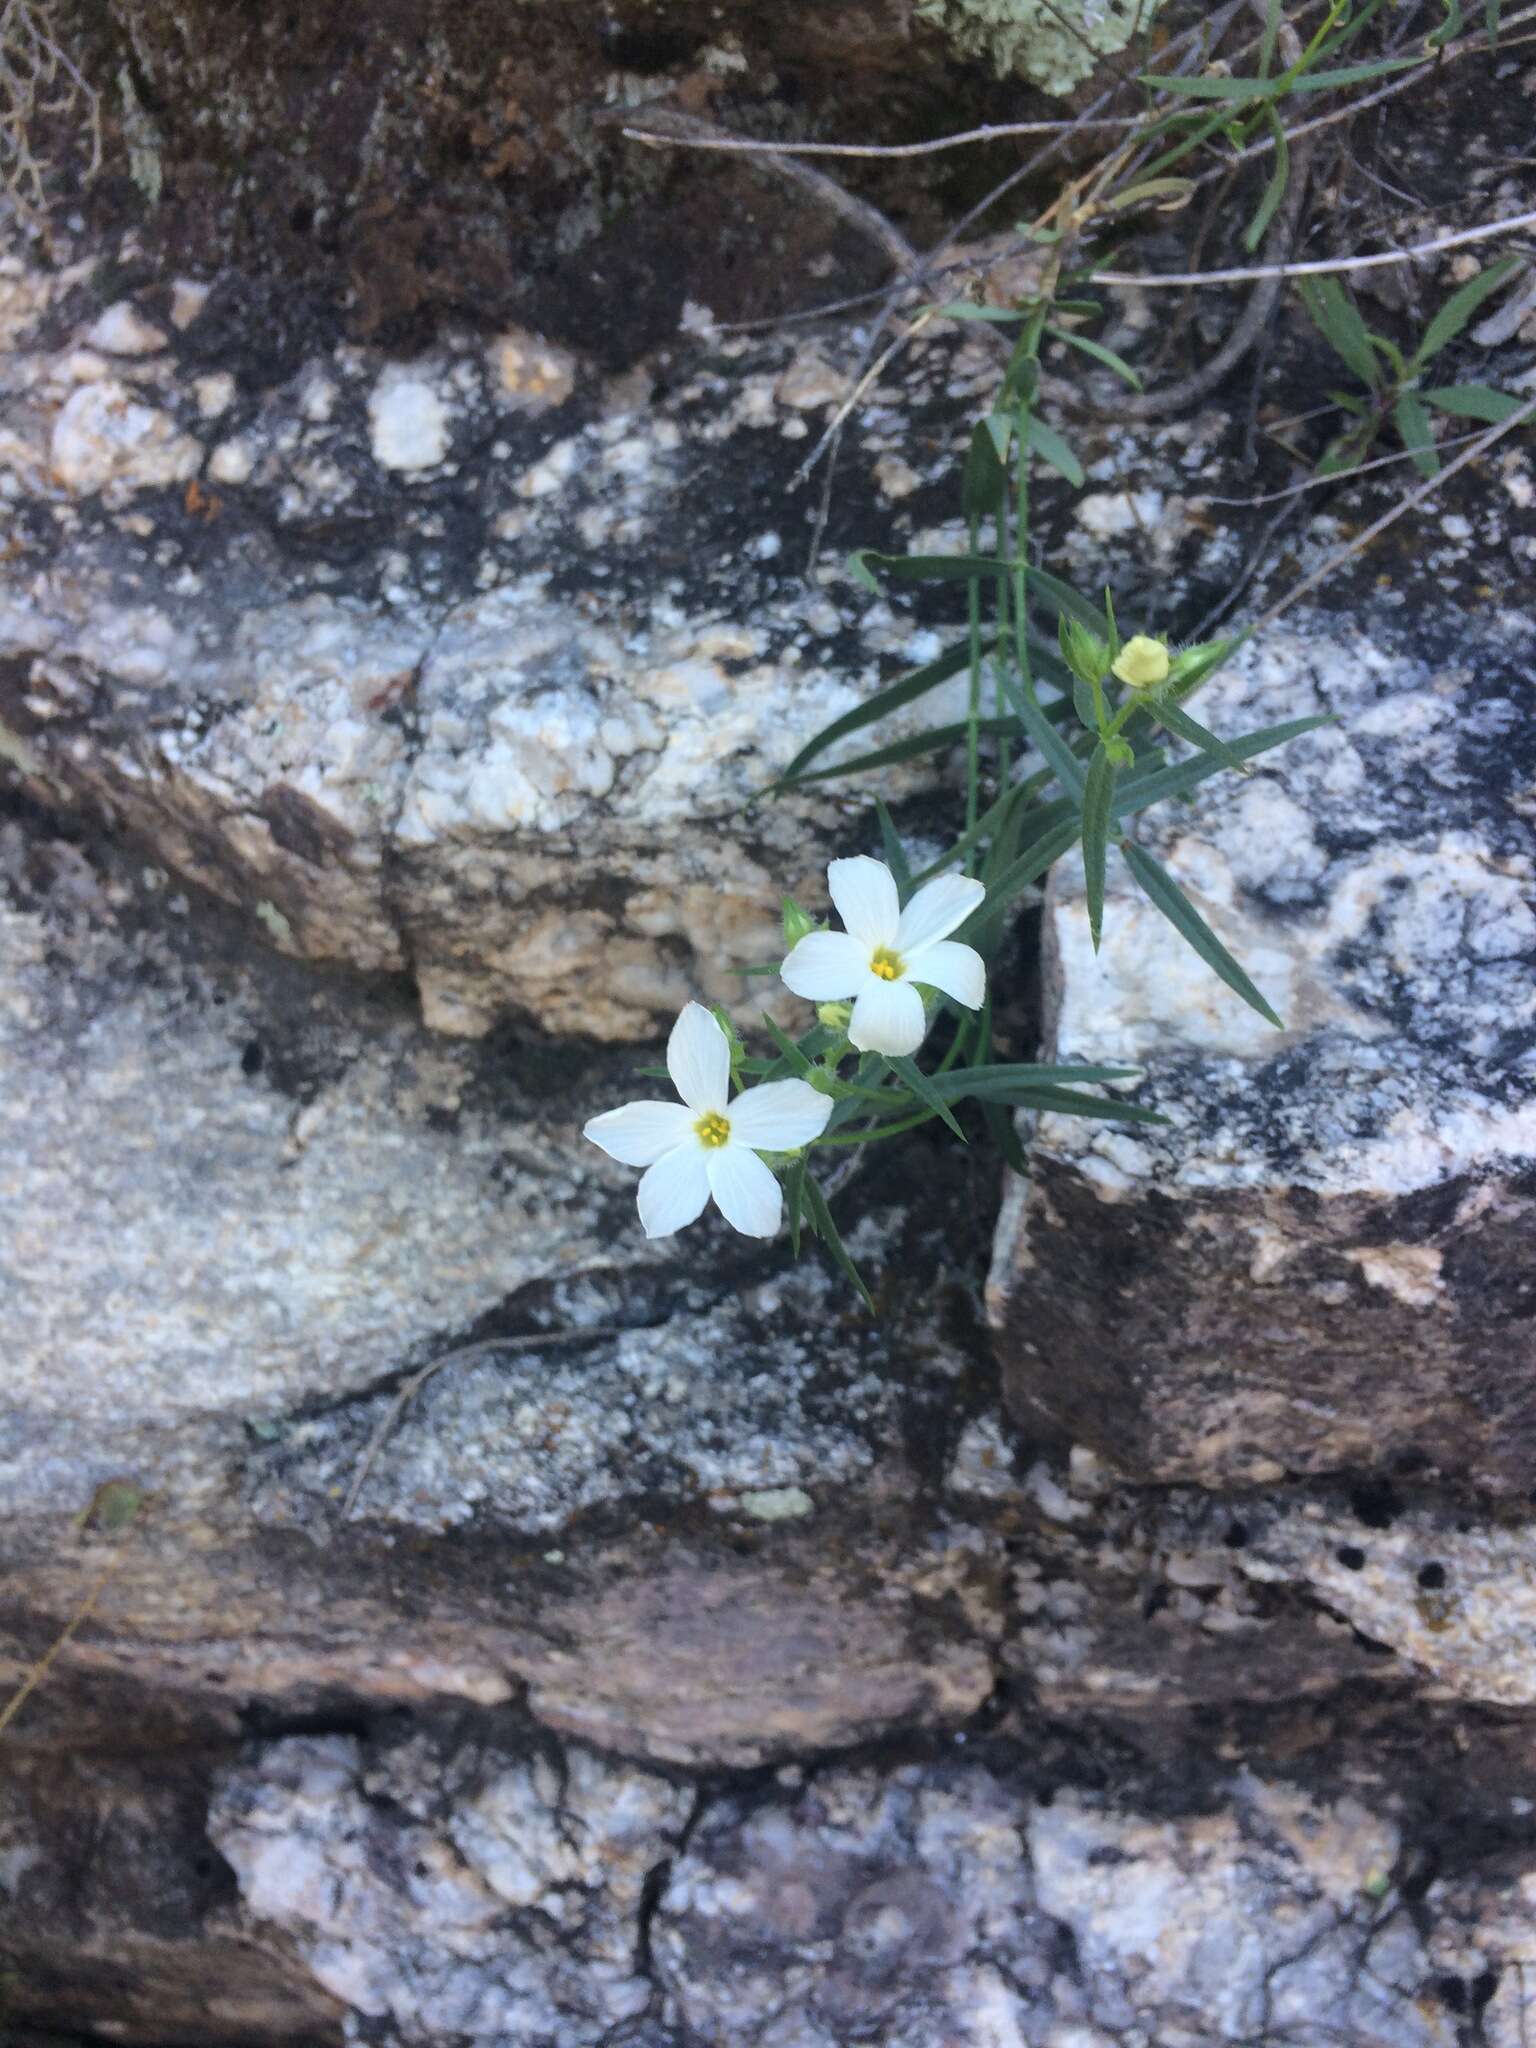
(1142, 662)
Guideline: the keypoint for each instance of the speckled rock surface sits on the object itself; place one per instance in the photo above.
(1322, 1263)
(469, 666)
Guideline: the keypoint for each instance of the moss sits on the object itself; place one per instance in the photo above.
(1055, 43)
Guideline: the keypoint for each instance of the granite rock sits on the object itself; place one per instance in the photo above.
(472, 666)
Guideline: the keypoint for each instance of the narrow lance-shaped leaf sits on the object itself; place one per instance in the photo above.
(1187, 728)
(1335, 316)
(912, 1077)
(794, 1200)
(1153, 785)
(1098, 797)
(1164, 892)
(1459, 308)
(1063, 763)
(1418, 436)
(1045, 442)
(820, 1218)
(895, 853)
(1100, 354)
(984, 480)
(1274, 190)
(1472, 402)
(892, 698)
(936, 740)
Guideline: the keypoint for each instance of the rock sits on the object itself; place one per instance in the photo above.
(488, 1898)
(1319, 1263)
(451, 668)
(1231, 1925)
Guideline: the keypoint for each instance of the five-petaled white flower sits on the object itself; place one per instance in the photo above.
(885, 949)
(708, 1145)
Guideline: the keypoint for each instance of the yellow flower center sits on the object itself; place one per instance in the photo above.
(1142, 662)
(713, 1129)
(888, 965)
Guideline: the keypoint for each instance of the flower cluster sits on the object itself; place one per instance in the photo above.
(710, 1145)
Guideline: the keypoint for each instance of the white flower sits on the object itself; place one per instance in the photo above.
(885, 950)
(710, 1147)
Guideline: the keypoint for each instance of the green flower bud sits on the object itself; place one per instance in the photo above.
(836, 1016)
(797, 922)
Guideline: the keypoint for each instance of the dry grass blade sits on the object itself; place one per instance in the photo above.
(539, 1340)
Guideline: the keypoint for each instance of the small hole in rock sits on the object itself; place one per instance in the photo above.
(253, 1058)
(1452, 1993)
(1236, 1536)
(1432, 1576)
(1353, 1560)
(1376, 1504)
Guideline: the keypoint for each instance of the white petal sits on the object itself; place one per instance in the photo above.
(779, 1116)
(887, 1017)
(675, 1190)
(699, 1060)
(641, 1131)
(935, 910)
(953, 969)
(864, 892)
(825, 966)
(746, 1191)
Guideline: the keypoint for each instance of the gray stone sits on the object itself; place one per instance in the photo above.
(1320, 1262)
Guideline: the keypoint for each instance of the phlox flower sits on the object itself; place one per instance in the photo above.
(886, 950)
(707, 1145)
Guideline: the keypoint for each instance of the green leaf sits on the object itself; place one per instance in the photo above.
(859, 571)
(1418, 437)
(1059, 757)
(937, 739)
(1449, 28)
(1045, 442)
(1152, 192)
(791, 1056)
(1166, 895)
(1274, 190)
(1473, 402)
(930, 568)
(1098, 798)
(1190, 729)
(1491, 22)
(881, 705)
(1042, 852)
(1142, 788)
(1000, 1129)
(1459, 308)
(1100, 354)
(1251, 89)
(963, 309)
(1061, 597)
(895, 852)
(794, 1200)
(917, 1083)
(1083, 705)
(1069, 1102)
(985, 481)
(820, 1218)
(1335, 316)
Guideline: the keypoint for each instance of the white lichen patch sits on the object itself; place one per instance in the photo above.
(409, 418)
